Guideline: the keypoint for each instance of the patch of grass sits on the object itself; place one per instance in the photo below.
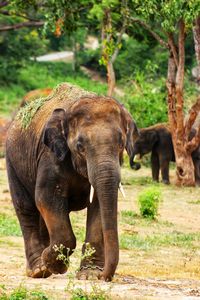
(149, 201)
(96, 293)
(154, 241)
(22, 293)
(5, 242)
(138, 181)
(194, 202)
(9, 226)
(131, 218)
(128, 217)
(10, 97)
(78, 225)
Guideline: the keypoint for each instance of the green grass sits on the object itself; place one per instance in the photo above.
(138, 181)
(10, 97)
(78, 222)
(155, 241)
(131, 218)
(22, 293)
(42, 75)
(96, 294)
(9, 226)
(128, 217)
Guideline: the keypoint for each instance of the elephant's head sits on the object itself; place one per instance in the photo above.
(94, 133)
(143, 144)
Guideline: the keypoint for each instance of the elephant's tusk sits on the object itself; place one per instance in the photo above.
(122, 190)
(91, 193)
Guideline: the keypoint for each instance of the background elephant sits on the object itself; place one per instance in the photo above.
(75, 140)
(157, 140)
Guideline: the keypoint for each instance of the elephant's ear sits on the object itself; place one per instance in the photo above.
(151, 138)
(55, 134)
(132, 132)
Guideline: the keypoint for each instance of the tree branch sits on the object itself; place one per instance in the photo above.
(180, 80)
(170, 83)
(196, 34)
(153, 33)
(192, 117)
(20, 25)
(119, 39)
(172, 46)
(181, 52)
(7, 13)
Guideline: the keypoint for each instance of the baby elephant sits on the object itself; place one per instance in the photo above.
(157, 140)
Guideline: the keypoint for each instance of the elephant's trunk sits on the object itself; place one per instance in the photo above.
(106, 182)
(134, 165)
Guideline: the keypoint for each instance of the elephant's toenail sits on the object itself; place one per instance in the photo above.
(43, 268)
(83, 277)
(36, 270)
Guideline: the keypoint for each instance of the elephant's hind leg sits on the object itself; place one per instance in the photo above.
(92, 265)
(28, 217)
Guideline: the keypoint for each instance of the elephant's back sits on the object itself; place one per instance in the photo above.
(30, 120)
(34, 115)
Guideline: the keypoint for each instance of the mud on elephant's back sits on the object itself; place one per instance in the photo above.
(41, 108)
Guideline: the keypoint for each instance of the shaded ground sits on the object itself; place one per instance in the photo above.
(166, 268)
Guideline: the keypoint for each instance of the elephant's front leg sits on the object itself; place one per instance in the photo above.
(155, 165)
(164, 164)
(53, 209)
(92, 265)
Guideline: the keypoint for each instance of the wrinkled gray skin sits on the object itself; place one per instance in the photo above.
(51, 166)
(157, 140)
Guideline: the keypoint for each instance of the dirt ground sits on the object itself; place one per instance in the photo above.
(165, 273)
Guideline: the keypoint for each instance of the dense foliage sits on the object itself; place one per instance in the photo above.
(140, 66)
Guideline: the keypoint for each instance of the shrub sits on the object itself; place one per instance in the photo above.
(149, 201)
(146, 100)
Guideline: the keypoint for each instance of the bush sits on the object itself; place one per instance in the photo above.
(146, 100)
(149, 201)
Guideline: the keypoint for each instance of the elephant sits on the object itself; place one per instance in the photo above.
(67, 158)
(157, 140)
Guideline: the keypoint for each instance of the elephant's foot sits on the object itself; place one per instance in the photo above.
(90, 273)
(165, 181)
(39, 270)
(52, 261)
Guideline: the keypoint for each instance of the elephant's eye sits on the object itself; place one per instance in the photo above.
(79, 146)
(121, 141)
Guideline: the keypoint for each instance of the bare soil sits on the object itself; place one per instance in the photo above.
(163, 273)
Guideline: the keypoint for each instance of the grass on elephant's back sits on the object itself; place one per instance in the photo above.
(63, 93)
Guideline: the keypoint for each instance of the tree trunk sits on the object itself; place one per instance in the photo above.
(175, 79)
(196, 34)
(74, 49)
(110, 77)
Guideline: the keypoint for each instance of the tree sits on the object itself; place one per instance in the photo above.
(112, 16)
(174, 19)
